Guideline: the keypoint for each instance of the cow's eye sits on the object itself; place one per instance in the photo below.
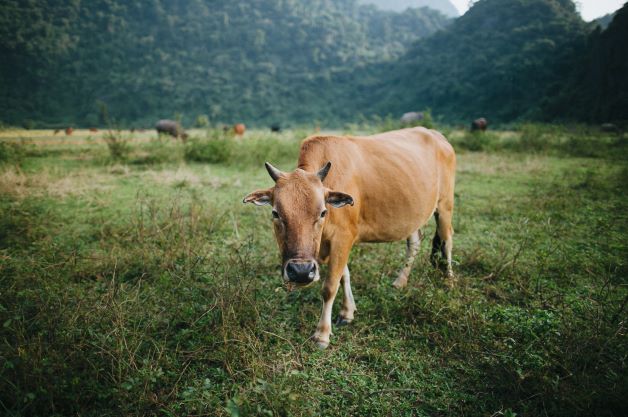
(323, 213)
(275, 214)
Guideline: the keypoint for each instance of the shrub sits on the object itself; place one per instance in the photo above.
(217, 148)
(117, 144)
(476, 141)
(202, 121)
(256, 151)
(213, 151)
(11, 153)
(160, 151)
(535, 137)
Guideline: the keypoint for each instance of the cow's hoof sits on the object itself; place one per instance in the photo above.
(320, 341)
(321, 344)
(451, 281)
(341, 321)
(400, 282)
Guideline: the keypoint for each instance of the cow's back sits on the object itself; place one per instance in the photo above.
(396, 179)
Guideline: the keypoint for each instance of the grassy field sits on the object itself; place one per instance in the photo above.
(133, 281)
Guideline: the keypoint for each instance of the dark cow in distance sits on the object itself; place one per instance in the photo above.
(275, 128)
(609, 128)
(411, 118)
(479, 125)
(171, 128)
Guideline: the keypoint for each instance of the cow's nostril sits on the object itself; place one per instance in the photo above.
(301, 272)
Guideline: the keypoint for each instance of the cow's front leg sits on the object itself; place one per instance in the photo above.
(337, 263)
(348, 303)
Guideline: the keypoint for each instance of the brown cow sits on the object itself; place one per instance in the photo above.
(389, 185)
(479, 124)
(239, 129)
(68, 131)
(93, 129)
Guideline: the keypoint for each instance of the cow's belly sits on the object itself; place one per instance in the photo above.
(391, 229)
(396, 219)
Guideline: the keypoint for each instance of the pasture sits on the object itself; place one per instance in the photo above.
(133, 281)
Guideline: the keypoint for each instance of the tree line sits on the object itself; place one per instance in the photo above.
(297, 61)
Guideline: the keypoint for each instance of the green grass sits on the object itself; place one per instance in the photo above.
(142, 286)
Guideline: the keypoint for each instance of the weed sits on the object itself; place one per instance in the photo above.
(117, 144)
(11, 153)
(211, 151)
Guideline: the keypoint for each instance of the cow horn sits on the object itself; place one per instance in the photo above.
(322, 173)
(273, 172)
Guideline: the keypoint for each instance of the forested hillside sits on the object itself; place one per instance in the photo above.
(503, 59)
(443, 6)
(598, 87)
(258, 61)
(297, 61)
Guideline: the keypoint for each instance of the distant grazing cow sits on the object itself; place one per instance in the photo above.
(56, 131)
(172, 128)
(93, 129)
(389, 184)
(479, 124)
(609, 128)
(239, 129)
(275, 127)
(68, 131)
(411, 117)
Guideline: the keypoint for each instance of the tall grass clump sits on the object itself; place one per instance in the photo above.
(213, 151)
(580, 141)
(162, 150)
(11, 153)
(249, 151)
(476, 141)
(117, 144)
(537, 138)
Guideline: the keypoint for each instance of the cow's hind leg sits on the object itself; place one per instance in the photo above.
(412, 248)
(443, 241)
(438, 246)
(348, 303)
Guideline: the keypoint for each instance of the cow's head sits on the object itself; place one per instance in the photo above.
(300, 202)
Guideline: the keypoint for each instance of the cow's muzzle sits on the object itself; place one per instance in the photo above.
(301, 272)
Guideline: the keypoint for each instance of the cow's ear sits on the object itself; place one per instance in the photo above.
(337, 199)
(259, 197)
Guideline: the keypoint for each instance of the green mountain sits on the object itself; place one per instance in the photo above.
(296, 61)
(257, 61)
(605, 20)
(501, 60)
(443, 6)
(597, 90)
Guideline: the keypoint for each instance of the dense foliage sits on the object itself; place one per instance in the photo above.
(598, 89)
(443, 6)
(292, 61)
(501, 60)
(263, 60)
